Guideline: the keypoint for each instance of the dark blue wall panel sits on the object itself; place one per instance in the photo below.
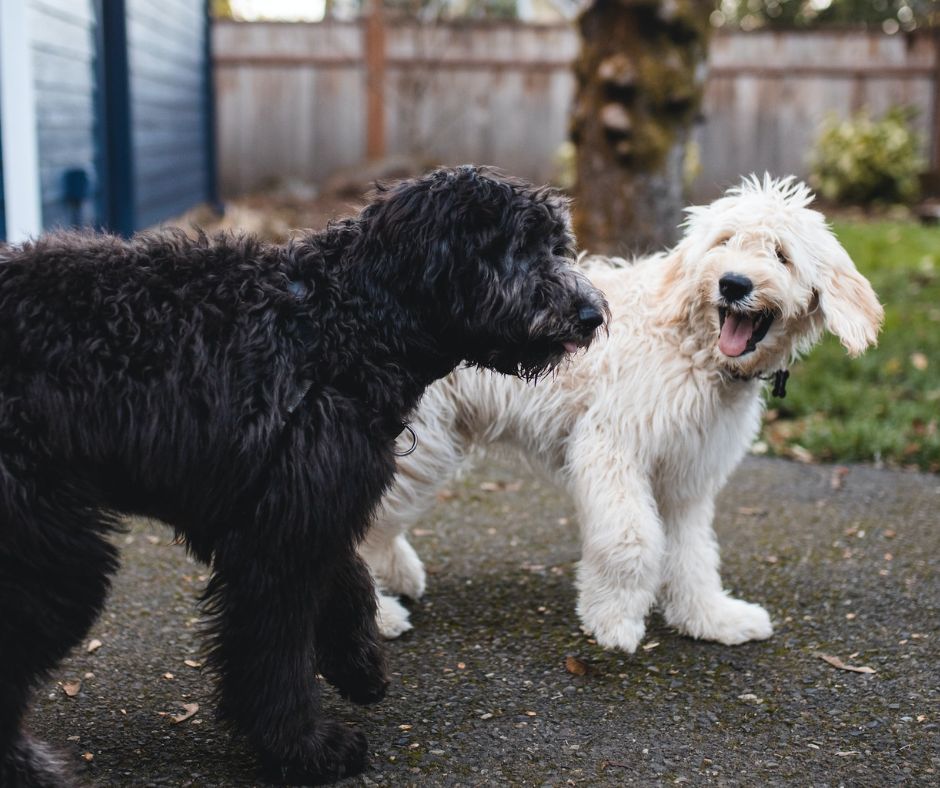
(63, 43)
(169, 111)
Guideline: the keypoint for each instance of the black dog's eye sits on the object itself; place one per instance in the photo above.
(782, 256)
(563, 250)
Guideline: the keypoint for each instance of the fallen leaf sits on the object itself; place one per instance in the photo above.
(575, 666)
(93, 645)
(153, 539)
(801, 454)
(189, 710)
(651, 645)
(845, 753)
(168, 676)
(404, 727)
(838, 663)
(192, 663)
(88, 757)
(422, 532)
(71, 688)
(838, 477)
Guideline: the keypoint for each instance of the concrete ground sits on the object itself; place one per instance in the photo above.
(847, 563)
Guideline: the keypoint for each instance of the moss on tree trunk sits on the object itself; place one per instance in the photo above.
(640, 73)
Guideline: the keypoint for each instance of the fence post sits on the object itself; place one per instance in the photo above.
(374, 42)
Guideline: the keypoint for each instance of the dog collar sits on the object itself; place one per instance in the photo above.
(414, 441)
(779, 378)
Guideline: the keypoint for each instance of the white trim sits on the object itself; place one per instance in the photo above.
(21, 189)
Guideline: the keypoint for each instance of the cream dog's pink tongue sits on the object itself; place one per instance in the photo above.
(735, 334)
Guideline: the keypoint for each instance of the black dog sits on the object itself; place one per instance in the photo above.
(249, 395)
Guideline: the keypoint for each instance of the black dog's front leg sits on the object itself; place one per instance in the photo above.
(349, 649)
(264, 652)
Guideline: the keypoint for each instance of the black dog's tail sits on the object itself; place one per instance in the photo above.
(31, 764)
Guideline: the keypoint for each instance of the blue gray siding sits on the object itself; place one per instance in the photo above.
(63, 42)
(3, 213)
(166, 50)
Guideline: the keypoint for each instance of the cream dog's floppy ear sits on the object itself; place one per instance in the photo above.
(850, 308)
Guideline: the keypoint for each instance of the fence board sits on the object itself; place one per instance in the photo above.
(292, 97)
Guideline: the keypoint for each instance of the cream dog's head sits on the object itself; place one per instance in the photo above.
(759, 276)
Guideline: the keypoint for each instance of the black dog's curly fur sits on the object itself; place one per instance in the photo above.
(249, 395)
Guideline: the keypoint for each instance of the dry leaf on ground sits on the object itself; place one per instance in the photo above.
(93, 645)
(190, 710)
(838, 663)
(575, 666)
(838, 477)
(72, 688)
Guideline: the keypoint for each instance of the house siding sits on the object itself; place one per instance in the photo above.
(166, 51)
(64, 56)
(3, 212)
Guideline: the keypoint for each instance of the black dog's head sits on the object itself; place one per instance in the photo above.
(490, 260)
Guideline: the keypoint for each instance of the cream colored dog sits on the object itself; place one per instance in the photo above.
(645, 428)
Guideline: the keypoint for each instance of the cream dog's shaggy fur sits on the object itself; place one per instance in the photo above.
(645, 428)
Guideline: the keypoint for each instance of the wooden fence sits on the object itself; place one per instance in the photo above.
(305, 100)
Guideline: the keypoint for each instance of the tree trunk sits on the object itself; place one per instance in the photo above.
(640, 73)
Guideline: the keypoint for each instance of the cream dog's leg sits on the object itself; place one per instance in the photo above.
(692, 597)
(622, 548)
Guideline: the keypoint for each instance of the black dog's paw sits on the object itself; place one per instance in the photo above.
(359, 674)
(30, 763)
(360, 686)
(333, 751)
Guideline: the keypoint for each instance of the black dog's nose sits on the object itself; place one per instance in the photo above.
(589, 318)
(734, 286)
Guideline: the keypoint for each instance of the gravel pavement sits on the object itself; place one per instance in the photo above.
(847, 561)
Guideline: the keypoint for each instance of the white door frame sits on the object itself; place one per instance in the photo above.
(18, 130)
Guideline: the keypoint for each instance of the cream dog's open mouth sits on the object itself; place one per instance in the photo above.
(742, 331)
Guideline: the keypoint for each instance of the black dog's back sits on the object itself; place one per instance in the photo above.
(147, 361)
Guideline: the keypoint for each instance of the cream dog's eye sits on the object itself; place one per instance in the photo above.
(723, 240)
(782, 255)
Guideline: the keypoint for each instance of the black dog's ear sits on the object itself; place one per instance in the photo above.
(465, 195)
(429, 228)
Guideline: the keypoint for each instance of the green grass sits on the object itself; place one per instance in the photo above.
(885, 405)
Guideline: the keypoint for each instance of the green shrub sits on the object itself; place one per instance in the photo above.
(862, 161)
